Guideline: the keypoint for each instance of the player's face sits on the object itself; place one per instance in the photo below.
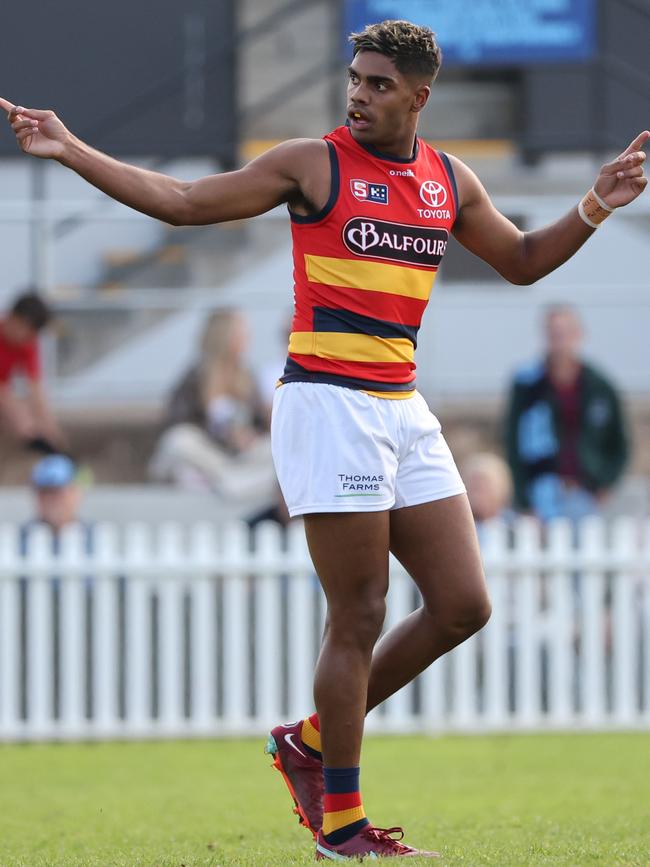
(383, 104)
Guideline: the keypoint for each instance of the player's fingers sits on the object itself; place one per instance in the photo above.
(35, 113)
(631, 173)
(25, 134)
(639, 185)
(638, 142)
(23, 124)
(624, 162)
(5, 105)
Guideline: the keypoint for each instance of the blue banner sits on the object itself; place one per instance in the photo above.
(494, 32)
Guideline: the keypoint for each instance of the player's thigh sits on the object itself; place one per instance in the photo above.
(334, 450)
(436, 543)
(350, 554)
(427, 470)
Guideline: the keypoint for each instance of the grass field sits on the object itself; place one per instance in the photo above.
(549, 799)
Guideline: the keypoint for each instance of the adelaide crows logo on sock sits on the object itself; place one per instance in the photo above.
(366, 191)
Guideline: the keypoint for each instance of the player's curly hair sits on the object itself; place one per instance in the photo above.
(413, 49)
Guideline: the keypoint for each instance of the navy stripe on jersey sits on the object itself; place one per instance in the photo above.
(452, 177)
(335, 183)
(346, 322)
(294, 372)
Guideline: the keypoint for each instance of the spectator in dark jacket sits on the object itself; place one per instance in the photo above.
(566, 434)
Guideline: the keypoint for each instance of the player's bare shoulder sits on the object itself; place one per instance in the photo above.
(294, 158)
(306, 162)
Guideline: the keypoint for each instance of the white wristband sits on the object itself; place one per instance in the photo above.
(581, 211)
(602, 204)
(593, 211)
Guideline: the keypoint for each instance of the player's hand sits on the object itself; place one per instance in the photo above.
(621, 181)
(39, 133)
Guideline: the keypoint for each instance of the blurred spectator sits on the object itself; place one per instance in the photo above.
(268, 375)
(29, 418)
(489, 486)
(566, 437)
(56, 492)
(57, 498)
(216, 435)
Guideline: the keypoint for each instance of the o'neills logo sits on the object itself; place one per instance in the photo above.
(415, 245)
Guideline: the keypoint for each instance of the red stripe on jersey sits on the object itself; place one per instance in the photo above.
(389, 308)
(373, 371)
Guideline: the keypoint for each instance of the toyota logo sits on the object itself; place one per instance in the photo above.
(433, 194)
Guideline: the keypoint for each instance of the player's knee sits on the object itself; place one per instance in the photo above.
(360, 621)
(472, 615)
(483, 612)
(468, 615)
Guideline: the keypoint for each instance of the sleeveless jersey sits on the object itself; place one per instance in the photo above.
(365, 265)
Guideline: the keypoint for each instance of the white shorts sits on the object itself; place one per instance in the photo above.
(340, 450)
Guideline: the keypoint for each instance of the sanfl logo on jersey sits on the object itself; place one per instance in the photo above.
(366, 191)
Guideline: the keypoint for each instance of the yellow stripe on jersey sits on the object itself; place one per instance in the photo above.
(370, 276)
(351, 347)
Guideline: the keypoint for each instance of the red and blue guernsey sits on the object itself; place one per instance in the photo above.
(365, 265)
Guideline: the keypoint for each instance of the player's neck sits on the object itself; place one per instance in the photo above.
(402, 148)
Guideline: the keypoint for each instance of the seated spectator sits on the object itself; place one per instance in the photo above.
(29, 418)
(489, 487)
(216, 431)
(566, 433)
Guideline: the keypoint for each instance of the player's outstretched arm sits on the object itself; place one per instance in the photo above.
(524, 257)
(272, 179)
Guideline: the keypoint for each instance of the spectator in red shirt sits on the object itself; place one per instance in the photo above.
(29, 418)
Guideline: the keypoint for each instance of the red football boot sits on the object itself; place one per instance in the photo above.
(370, 842)
(302, 773)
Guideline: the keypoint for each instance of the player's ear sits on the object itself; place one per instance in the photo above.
(421, 97)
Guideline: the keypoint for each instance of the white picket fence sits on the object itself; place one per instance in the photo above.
(166, 632)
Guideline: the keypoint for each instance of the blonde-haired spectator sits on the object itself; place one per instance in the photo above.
(216, 430)
(489, 486)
